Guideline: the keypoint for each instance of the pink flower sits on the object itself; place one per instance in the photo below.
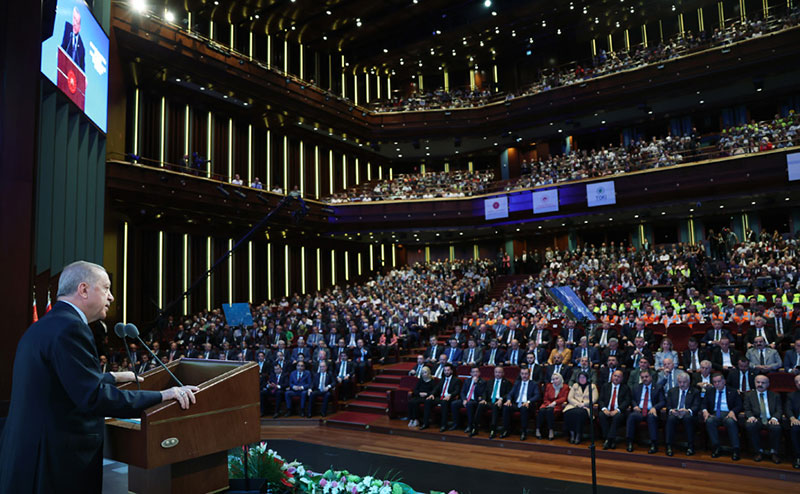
(354, 490)
(334, 484)
(323, 483)
(453, 492)
(291, 471)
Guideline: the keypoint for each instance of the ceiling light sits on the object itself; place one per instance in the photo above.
(517, 229)
(691, 210)
(169, 16)
(585, 221)
(494, 13)
(663, 213)
(635, 215)
(721, 206)
(487, 3)
(139, 5)
(787, 198)
(329, 12)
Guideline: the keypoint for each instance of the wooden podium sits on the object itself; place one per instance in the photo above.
(186, 451)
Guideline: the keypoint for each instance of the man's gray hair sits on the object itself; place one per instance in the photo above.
(76, 273)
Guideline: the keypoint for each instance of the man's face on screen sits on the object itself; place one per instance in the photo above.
(76, 21)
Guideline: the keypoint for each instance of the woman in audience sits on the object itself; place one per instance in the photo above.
(560, 349)
(664, 352)
(555, 396)
(421, 391)
(577, 411)
(387, 343)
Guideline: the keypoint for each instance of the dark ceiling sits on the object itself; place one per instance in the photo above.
(398, 35)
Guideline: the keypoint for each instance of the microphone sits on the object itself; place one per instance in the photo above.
(119, 330)
(132, 332)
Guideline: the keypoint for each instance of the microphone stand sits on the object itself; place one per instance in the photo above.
(133, 332)
(120, 332)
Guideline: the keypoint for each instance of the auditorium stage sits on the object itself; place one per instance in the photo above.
(537, 459)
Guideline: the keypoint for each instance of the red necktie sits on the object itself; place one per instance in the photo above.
(646, 398)
(613, 399)
(444, 388)
(471, 389)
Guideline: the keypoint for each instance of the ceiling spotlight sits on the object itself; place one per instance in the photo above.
(139, 6)
(487, 3)
(169, 16)
(329, 12)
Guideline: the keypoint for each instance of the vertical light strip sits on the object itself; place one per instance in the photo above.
(208, 145)
(269, 270)
(496, 79)
(452, 253)
(394, 257)
(302, 72)
(269, 50)
(742, 10)
(355, 88)
(268, 178)
(302, 170)
(422, 168)
(250, 46)
(469, 166)
(681, 29)
(319, 271)
(641, 234)
(125, 272)
(700, 20)
(230, 271)
(378, 79)
(249, 154)
(185, 284)
(162, 130)
(186, 131)
(472, 79)
(627, 41)
(644, 35)
(344, 93)
(371, 258)
(286, 56)
(250, 271)
(446, 167)
(230, 148)
(285, 164)
(233, 44)
(208, 278)
(475, 252)
(330, 172)
(358, 174)
(359, 263)
(344, 171)
(211, 30)
(369, 171)
(427, 254)
(347, 265)
(380, 172)
(366, 79)
(160, 271)
(316, 171)
(594, 47)
(136, 121)
(189, 21)
(286, 269)
(721, 15)
(383, 255)
(333, 267)
(446, 80)
(302, 269)
(391, 175)
(388, 87)
(610, 44)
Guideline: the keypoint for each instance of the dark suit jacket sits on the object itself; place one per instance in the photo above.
(790, 360)
(623, 396)
(731, 396)
(429, 353)
(686, 358)
(499, 357)
(566, 372)
(691, 401)
(621, 353)
(594, 355)
(477, 393)
(709, 336)
(630, 335)
(336, 369)
(656, 396)
(631, 358)
(66, 44)
(752, 407)
(788, 327)
(533, 393)
(576, 334)
(505, 387)
(546, 337)
(716, 358)
(329, 381)
(751, 334)
(282, 381)
(452, 389)
(53, 439)
(604, 371)
(735, 379)
(612, 333)
(792, 406)
(456, 355)
(296, 380)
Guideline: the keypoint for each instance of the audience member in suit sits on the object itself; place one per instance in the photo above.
(473, 355)
(352, 337)
(493, 355)
(539, 353)
(791, 361)
(340, 349)
(792, 411)
(648, 399)
(759, 329)
(540, 335)
(555, 397)
(363, 361)
(602, 336)
(345, 376)
(522, 399)
(417, 369)
(763, 410)
(174, 352)
(721, 407)
(702, 380)
(511, 334)
(299, 384)
(433, 351)
(714, 335)
(558, 367)
(422, 390)
(781, 327)
(272, 388)
(446, 389)
(496, 389)
(723, 357)
(535, 371)
(606, 372)
(584, 350)
(571, 334)
(614, 349)
(583, 367)
(263, 365)
(667, 377)
(472, 392)
(576, 412)
(454, 353)
(514, 355)
(639, 331)
(322, 383)
(683, 405)
(615, 398)
(742, 378)
(692, 356)
(438, 370)
(638, 351)
(763, 359)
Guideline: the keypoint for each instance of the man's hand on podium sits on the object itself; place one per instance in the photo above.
(125, 377)
(183, 395)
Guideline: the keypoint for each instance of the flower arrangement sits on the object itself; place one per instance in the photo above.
(292, 477)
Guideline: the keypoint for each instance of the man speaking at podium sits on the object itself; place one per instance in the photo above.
(53, 438)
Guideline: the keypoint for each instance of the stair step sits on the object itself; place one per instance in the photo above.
(388, 378)
(381, 386)
(366, 406)
(378, 396)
